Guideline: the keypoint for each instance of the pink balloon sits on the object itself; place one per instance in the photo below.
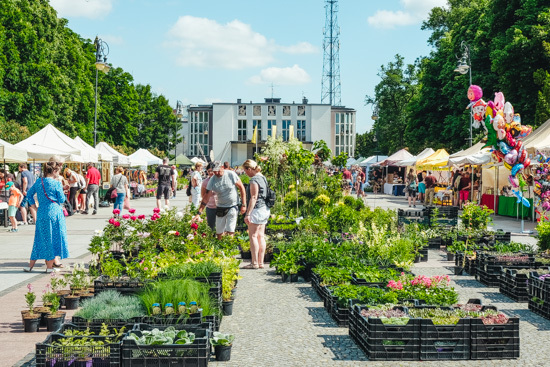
(511, 157)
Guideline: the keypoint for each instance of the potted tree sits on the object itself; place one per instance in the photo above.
(31, 319)
(222, 345)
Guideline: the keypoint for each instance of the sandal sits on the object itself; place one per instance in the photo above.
(51, 270)
(250, 266)
(27, 269)
(261, 266)
(58, 265)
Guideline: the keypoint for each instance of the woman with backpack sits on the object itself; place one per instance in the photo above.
(412, 186)
(257, 213)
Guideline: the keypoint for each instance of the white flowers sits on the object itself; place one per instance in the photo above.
(98, 232)
(190, 236)
(179, 215)
(171, 232)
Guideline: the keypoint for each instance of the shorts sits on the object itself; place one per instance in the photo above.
(422, 188)
(83, 191)
(24, 202)
(412, 193)
(228, 223)
(12, 211)
(464, 194)
(260, 215)
(165, 190)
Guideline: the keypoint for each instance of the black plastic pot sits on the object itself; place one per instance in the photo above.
(72, 302)
(459, 270)
(450, 256)
(293, 278)
(31, 323)
(55, 322)
(223, 353)
(227, 308)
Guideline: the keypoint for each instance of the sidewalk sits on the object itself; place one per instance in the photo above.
(17, 248)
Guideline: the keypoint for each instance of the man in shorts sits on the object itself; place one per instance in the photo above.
(27, 180)
(225, 184)
(164, 175)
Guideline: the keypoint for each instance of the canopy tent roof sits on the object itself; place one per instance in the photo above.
(475, 154)
(12, 154)
(412, 161)
(143, 155)
(103, 156)
(371, 160)
(437, 161)
(89, 154)
(197, 159)
(118, 158)
(182, 159)
(538, 139)
(395, 158)
(352, 161)
(50, 141)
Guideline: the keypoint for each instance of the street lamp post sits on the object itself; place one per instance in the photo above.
(374, 118)
(179, 116)
(464, 66)
(101, 52)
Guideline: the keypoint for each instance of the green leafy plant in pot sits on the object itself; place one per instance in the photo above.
(56, 317)
(222, 345)
(31, 320)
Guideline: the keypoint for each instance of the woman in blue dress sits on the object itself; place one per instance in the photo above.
(50, 237)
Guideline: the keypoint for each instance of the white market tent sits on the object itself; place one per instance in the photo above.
(50, 141)
(475, 155)
(118, 158)
(371, 160)
(395, 158)
(11, 154)
(100, 156)
(412, 161)
(196, 159)
(538, 139)
(89, 154)
(143, 155)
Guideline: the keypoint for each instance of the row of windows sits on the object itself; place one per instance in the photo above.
(272, 125)
(271, 110)
(202, 116)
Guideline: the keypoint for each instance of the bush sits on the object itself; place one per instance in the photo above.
(343, 219)
(543, 229)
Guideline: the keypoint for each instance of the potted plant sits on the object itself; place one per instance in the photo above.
(31, 319)
(55, 318)
(78, 281)
(222, 345)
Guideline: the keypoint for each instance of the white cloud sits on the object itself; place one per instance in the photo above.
(294, 75)
(112, 40)
(93, 9)
(414, 11)
(203, 42)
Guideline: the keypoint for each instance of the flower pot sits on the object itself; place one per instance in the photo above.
(71, 302)
(223, 352)
(417, 259)
(459, 270)
(293, 278)
(62, 295)
(227, 307)
(246, 255)
(31, 322)
(85, 296)
(450, 256)
(83, 363)
(55, 321)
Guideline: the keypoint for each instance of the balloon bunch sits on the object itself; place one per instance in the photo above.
(504, 133)
(542, 185)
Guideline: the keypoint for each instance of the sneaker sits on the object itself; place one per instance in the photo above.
(94, 212)
(13, 230)
(84, 212)
(24, 224)
(51, 270)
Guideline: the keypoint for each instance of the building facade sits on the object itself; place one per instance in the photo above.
(227, 129)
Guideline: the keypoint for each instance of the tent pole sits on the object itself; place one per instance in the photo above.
(495, 194)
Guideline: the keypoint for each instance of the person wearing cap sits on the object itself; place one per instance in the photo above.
(225, 184)
(196, 183)
(212, 203)
(13, 203)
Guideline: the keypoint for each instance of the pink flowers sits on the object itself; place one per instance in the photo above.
(141, 216)
(194, 226)
(29, 287)
(116, 224)
(116, 211)
(126, 216)
(131, 211)
(395, 285)
(177, 233)
(156, 210)
(112, 221)
(133, 217)
(155, 216)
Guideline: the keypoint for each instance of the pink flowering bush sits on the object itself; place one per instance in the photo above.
(435, 290)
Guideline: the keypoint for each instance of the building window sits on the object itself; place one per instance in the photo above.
(270, 124)
(286, 110)
(301, 130)
(286, 125)
(242, 110)
(257, 123)
(271, 110)
(241, 131)
(301, 110)
(257, 110)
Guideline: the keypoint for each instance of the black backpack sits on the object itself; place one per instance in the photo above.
(270, 196)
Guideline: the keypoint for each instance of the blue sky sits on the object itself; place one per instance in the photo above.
(207, 51)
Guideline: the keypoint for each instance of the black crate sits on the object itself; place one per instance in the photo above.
(107, 355)
(539, 307)
(495, 349)
(434, 243)
(214, 320)
(192, 355)
(129, 286)
(480, 331)
(490, 279)
(445, 342)
(82, 323)
(514, 285)
(538, 288)
(95, 328)
(340, 315)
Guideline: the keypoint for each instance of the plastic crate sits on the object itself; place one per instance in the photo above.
(192, 355)
(82, 323)
(47, 354)
(500, 341)
(445, 342)
(340, 315)
(95, 329)
(129, 286)
(514, 286)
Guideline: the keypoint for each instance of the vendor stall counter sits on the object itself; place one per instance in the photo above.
(508, 206)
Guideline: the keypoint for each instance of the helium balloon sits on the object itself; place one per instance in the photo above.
(524, 131)
(504, 148)
(513, 181)
(499, 100)
(526, 163)
(517, 167)
(510, 140)
(474, 92)
(522, 156)
(508, 112)
(517, 118)
(521, 199)
(478, 110)
(511, 157)
(490, 109)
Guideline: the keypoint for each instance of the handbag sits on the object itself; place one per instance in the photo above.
(222, 212)
(65, 212)
(114, 193)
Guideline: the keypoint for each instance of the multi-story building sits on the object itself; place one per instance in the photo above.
(227, 129)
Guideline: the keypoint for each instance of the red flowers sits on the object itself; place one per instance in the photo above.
(155, 216)
(131, 211)
(116, 224)
(141, 216)
(133, 217)
(177, 233)
(112, 221)
(116, 211)
(126, 216)
(194, 225)
(156, 210)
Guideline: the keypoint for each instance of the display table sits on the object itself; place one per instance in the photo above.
(394, 189)
(508, 206)
(489, 201)
(4, 212)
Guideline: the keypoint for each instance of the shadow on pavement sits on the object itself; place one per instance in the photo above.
(320, 317)
(343, 348)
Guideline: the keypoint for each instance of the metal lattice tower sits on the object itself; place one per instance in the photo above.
(330, 84)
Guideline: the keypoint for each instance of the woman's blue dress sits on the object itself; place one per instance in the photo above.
(50, 236)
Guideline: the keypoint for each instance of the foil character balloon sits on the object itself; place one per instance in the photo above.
(499, 101)
(508, 112)
(478, 111)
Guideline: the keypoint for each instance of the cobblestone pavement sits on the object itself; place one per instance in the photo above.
(285, 324)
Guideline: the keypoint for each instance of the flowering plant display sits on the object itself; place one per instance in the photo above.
(30, 298)
(435, 290)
